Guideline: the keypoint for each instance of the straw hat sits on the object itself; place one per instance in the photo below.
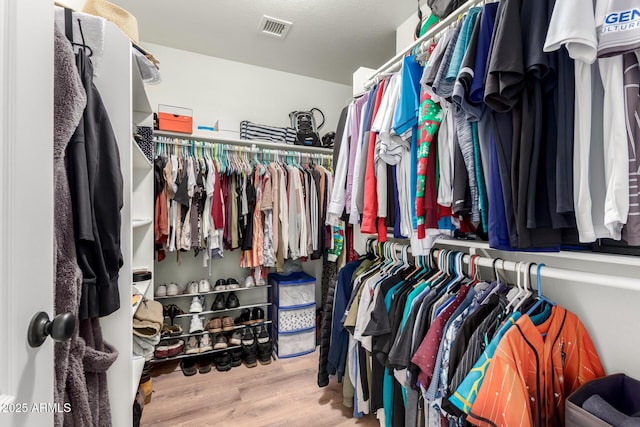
(119, 16)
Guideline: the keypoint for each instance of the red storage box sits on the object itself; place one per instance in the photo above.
(175, 119)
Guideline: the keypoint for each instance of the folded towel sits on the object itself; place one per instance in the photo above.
(145, 346)
(602, 409)
(93, 29)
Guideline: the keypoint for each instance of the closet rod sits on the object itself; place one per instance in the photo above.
(250, 149)
(394, 63)
(598, 279)
(246, 143)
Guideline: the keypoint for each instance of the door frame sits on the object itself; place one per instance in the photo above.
(26, 205)
(6, 24)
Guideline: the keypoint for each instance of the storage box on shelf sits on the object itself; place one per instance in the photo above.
(294, 314)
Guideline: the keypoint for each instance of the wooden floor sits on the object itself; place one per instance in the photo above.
(283, 393)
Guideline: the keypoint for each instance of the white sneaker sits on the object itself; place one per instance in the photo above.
(204, 286)
(261, 282)
(161, 291)
(172, 289)
(192, 288)
(196, 305)
(196, 325)
(249, 282)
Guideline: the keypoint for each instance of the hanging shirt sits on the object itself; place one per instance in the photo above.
(354, 141)
(601, 159)
(533, 371)
(336, 207)
(631, 231)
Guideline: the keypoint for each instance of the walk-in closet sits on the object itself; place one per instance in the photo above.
(277, 213)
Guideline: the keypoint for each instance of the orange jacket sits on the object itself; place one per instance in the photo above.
(531, 374)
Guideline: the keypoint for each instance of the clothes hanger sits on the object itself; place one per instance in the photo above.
(541, 298)
(515, 289)
(68, 21)
(526, 292)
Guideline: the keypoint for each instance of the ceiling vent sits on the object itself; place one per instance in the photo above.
(274, 27)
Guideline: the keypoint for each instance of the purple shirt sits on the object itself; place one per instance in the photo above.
(355, 139)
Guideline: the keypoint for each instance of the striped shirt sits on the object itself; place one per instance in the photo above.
(255, 131)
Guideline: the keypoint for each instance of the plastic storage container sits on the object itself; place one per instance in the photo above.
(295, 318)
(292, 344)
(293, 289)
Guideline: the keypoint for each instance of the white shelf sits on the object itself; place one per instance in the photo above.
(142, 110)
(139, 160)
(140, 222)
(139, 288)
(136, 373)
(245, 142)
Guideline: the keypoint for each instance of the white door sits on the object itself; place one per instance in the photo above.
(26, 208)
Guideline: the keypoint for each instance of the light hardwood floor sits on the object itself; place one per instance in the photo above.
(283, 393)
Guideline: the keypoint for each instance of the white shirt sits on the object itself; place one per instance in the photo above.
(354, 213)
(446, 156)
(574, 24)
(338, 195)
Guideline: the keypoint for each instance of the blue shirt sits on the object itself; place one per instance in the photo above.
(337, 357)
(487, 21)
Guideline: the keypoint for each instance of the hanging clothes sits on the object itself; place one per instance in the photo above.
(414, 341)
(209, 202)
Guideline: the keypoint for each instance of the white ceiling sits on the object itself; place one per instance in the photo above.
(329, 39)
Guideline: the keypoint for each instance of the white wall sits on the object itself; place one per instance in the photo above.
(217, 89)
(405, 32)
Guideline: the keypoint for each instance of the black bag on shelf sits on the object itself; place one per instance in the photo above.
(304, 123)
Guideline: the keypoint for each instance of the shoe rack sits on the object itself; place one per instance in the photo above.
(255, 297)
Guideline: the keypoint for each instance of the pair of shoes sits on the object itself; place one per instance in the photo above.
(249, 347)
(249, 317)
(168, 348)
(197, 304)
(204, 286)
(217, 324)
(220, 304)
(223, 361)
(192, 365)
(199, 344)
(161, 291)
(196, 325)
(171, 330)
(224, 285)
